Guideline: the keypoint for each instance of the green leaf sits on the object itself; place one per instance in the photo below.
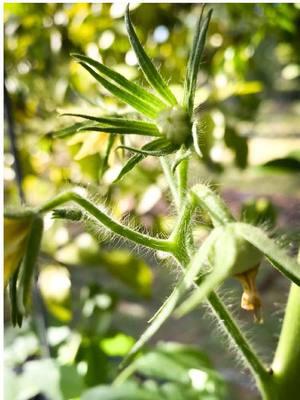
(47, 377)
(259, 211)
(238, 144)
(104, 163)
(223, 260)
(171, 361)
(168, 149)
(70, 130)
(169, 305)
(194, 61)
(129, 98)
(131, 163)
(196, 140)
(120, 130)
(128, 391)
(177, 372)
(120, 122)
(290, 163)
(287, 265)
(121, 87)
(148, 68)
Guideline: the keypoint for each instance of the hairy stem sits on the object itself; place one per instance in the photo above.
(232, 330)
(182, 234)
(170, 179)
(108, 221)
(182, 172)
(286, 364)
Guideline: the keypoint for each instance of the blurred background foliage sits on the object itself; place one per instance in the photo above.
(96, 294)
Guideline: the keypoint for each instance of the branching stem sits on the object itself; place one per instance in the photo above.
(108, 221)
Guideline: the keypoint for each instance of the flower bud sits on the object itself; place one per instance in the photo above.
(175, 124)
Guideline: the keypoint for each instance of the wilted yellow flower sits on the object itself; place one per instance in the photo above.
(250, 299)
(15, 237)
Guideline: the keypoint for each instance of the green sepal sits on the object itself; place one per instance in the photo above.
(122, 88)
(120, 122)
(164, 151)
(120, 130)
(149, 70)
(72, 214)
(278, 257)
(194, 62)
(104, 162)
(69, 130)
(131, 163)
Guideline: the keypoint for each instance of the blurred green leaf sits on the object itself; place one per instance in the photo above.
(290, 163)
(171, 371)
(259, 211)
(239, 146)
(117, 345)
(49, 378)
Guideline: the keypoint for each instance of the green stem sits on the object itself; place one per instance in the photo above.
(182, 171)
(286, 364)
(182, 234)
(170, 179)
(108, 221)
(232, 330)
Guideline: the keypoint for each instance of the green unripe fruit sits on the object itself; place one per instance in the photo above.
(175, 124)
(245, 260)
(247, 256)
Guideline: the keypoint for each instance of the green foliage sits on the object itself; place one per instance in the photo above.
(149, 70)
(169, 371)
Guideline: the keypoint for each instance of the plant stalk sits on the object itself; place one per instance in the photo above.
(108, 221)
(230, 327)
(182, 172)
(286, 363)
(170, 180)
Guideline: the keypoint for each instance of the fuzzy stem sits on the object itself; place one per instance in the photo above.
(182, 172)
(108, 222)
(182, 233)
(170, 179)
(232, 330)
(286, 364)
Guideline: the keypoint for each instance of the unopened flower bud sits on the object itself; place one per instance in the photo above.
(175, 124)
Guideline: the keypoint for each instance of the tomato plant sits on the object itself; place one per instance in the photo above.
(231, 248)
